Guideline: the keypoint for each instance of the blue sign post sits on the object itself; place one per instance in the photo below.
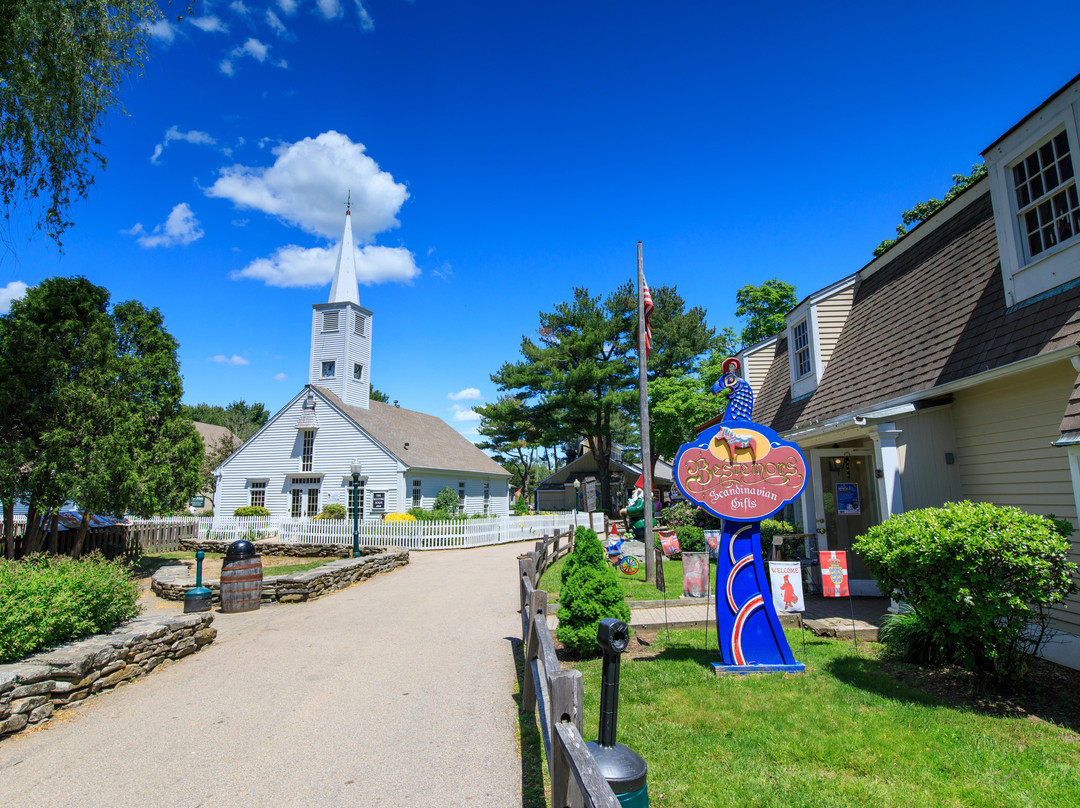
(743, 472)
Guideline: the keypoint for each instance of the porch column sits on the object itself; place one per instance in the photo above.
(887, 461)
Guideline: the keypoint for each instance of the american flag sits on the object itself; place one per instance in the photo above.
(648, 313)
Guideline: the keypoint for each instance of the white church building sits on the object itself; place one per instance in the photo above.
(304, 456)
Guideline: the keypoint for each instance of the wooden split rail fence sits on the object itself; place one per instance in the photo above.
(556, 694)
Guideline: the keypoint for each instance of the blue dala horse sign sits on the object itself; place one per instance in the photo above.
(743, 472)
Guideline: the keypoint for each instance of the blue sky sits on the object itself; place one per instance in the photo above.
(501, 153)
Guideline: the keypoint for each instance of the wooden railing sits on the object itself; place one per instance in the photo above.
(141, 536)
(556, 694)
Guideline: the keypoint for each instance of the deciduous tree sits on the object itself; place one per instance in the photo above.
(764, 307)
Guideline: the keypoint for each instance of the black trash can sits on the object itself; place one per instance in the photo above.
(241, 578)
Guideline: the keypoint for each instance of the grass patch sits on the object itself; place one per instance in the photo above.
(289, 569)
(634, 586)
(846, 733)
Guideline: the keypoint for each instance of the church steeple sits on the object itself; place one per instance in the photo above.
(341, 332)
(344, 289)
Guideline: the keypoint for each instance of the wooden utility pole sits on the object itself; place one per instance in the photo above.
(643, 396)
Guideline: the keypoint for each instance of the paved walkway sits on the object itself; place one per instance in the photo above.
(396, 692)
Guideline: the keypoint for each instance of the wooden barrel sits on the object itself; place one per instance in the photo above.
(241, 584)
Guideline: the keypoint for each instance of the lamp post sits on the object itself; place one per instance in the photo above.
(577, 494)
(355, 469)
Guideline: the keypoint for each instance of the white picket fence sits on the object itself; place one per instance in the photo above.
(408, 535)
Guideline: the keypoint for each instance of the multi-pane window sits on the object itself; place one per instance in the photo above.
(312, 501)
(358, 324)
(1046, 195)
(258, 494)
(357, 371)
(416, 493)
(359, 500)
(487, 496)
(801, 336)
(297, 502)
(330, 321)
(308, 450)
(328, 370)
(461, 495)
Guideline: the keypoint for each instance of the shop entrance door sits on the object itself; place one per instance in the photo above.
(846, 501)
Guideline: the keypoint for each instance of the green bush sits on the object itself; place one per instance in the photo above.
(422, 515)
(691, 539)
(332, 511)
(907, 636)
(447, 500)
(48, 600)
(678, 514)
(251, 510)
(590, 592)
(776, 527)
(980, 577)
(521, 506)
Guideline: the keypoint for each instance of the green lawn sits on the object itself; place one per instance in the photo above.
(843, 734)
(149, 563)
(633, 585)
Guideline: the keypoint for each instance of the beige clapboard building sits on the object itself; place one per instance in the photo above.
(946, 368)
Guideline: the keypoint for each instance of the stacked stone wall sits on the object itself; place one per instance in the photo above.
(172, 582)
(33, 689)
(270, 547)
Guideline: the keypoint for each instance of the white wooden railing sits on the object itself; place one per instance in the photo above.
(454, 534)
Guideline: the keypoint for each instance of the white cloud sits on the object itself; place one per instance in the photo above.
(233, 360)
(174, 133)
(294, 266)
(275, 22)
(467, 393)
(10, 293)
(308, 182)
(444, 272)
(280, 377)
(209, 24)
(330, 9)
(259, 51)
(465, 415)
(287, 6)
(239, 8)
(180, 228)
(366, 23)
(163, 31)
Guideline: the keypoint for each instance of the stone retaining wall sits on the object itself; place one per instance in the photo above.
(33, 689)
(276, 548)
(173, 581)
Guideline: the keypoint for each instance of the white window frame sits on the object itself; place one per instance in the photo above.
(307, 450)
(1024, 276)
(417, 494)
(358, 372)
(804, 353)
(807, 383)
(349, 498)
(257, 489)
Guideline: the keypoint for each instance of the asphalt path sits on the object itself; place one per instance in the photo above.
(395, 692)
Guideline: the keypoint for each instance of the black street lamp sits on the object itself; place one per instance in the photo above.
(355, 469)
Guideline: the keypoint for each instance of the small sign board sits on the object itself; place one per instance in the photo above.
(197, 502)
(834, 573)
(378, 500)
(786, 580)
(847, 499)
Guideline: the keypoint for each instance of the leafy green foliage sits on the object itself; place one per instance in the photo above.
(590, 593)
(49, 600)
(61, 68)
(908, 637)
(436, 515)
(978, 575)
(679, 513)
(924, 210)
(447, 500)
(513, 439)
(776, 527)
(251, 510)
(377, 395)
(521, 506)
(240, 418)
(691, 539)
(331, 511)
(765, 308)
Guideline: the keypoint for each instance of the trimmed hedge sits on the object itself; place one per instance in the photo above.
(980, 578)
(48, 600)
(590, 592)
(251, 510)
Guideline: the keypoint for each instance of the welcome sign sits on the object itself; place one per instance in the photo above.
(740, 470)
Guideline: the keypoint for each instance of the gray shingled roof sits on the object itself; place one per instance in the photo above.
(433, 443)
(212, 433)
(934, 315)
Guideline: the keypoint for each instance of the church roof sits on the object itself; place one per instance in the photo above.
(416, 439)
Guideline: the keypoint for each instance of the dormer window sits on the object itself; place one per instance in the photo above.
(1046, 195)
(800, 335)
(330, 321)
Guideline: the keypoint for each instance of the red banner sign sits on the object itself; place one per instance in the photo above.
(834, 577)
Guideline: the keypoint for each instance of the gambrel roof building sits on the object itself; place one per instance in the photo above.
(946, 368)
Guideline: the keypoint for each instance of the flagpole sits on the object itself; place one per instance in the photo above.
(643, 396)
